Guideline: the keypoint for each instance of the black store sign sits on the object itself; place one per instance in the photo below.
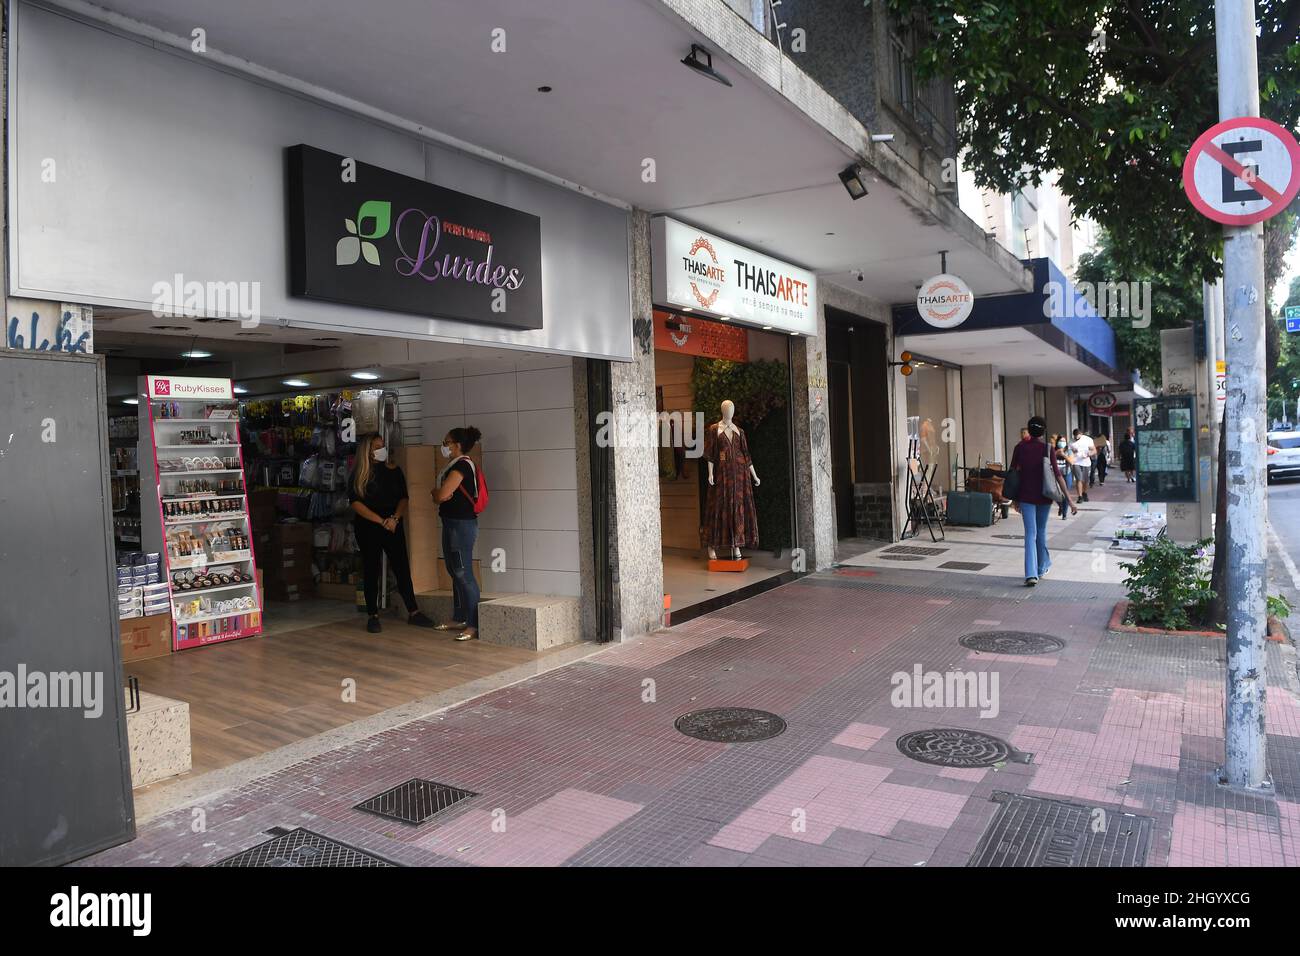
(387, 241)
(1165, 432)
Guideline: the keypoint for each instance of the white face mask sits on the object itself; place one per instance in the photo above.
(446, 452)
(1060, 444)
(381, 454)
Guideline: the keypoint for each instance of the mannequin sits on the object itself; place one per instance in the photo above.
(730, 521)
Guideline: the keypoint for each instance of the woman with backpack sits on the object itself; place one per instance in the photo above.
(379, 502)
(461, 494)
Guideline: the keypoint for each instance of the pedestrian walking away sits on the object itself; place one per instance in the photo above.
(1102, 460)
(1128, 455)
(461, 494)
(379, 503)
(1033, 499)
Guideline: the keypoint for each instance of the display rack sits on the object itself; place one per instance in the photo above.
(189, 445)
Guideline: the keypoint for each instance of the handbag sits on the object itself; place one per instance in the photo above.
(1011, 486)
(1051, 488)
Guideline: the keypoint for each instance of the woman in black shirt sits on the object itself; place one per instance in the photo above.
(456, 493)
(378, 494)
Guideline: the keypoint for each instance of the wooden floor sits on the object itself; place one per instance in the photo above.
(251, 696)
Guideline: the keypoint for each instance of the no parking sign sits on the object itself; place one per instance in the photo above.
(1242, 171)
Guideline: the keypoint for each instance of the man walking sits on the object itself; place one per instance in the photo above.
(1084, 451)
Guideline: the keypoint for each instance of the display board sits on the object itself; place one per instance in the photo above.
(190, 442)
(1165, 431)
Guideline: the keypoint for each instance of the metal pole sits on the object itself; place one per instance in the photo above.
(1243, 291)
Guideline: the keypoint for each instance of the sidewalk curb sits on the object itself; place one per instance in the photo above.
(1276, 630)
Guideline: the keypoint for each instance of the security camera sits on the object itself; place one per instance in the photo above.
(859, 276)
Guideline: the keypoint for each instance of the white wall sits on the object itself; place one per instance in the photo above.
(524, 407)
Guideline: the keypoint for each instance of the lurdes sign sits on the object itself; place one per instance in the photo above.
(366, 236)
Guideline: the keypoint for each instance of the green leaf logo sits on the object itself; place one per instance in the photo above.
(372, 222)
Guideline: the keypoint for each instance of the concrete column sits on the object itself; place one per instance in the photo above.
(1183, 375)
(1018, 401)
(814, 494)
(981, 403)
(1058, 411)
(636, 552)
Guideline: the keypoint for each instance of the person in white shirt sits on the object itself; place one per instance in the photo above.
(1084, 450)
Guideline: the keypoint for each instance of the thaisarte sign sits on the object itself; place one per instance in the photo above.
(696, 271)
(366, 236)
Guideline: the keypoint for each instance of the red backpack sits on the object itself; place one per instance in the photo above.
(481, 501)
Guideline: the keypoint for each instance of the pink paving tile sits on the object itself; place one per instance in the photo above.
(986, 623)
(964, 773)
(861, 736)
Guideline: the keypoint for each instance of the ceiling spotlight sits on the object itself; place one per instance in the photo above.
(855, 181)
(240, 390)
(366, 376)
(296, 383)
(130, 401)
(196, 353)
(882, 137)
(701, 61)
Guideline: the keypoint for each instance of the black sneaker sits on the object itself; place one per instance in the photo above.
(1031, 582)
(373, 625)
(420, 619)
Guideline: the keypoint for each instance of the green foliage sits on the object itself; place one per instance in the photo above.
(1175, 301)
(1279, 607)
(758, 389)
(1038, 92)
(1167, 586)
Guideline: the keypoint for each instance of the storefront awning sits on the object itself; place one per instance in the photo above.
(1052, 334)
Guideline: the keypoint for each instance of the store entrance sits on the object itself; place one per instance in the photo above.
(300, 661)
(699, 364)
(861, 476)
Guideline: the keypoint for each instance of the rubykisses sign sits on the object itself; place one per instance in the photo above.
(366, 236)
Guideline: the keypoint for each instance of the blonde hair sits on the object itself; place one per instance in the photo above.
(361, 469)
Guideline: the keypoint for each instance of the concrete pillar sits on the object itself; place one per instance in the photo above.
(981, 403)
(1018, 401)
(1058, 412)
(1182, 374)
(814, 494)
(635, 547)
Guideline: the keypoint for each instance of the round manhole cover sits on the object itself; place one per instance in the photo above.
(903, 557)
(730, 725)
(1010, 537)
(1012, 642)
(951, 747)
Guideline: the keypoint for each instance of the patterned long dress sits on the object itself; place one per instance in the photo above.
(730, 519)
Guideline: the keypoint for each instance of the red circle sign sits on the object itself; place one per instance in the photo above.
(1242, 171)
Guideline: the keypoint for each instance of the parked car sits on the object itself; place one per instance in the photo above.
(1283, 455)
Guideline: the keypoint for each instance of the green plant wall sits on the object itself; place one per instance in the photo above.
(760, 391)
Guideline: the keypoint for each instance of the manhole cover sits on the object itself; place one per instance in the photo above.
(1010, 537)
(902, 557)
(414, 801)
(1036, 831)
(1012, 642)
(963, 565)
(303, 848)
(730, 725)
(913, 549)
(953, 747)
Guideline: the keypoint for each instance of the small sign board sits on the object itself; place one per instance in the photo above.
(1292, 315)
(1165, 431)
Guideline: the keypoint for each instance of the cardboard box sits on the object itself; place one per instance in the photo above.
(146, 637)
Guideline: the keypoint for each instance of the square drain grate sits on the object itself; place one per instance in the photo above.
(1038, 832)
(303, 848)
(414, 801)
(913, 549)
(964, 565)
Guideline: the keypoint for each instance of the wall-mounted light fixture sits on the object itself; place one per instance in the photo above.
(854, 179)
(905, 363)
(701, 61)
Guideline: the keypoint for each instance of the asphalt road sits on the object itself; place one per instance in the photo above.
(1284, 543)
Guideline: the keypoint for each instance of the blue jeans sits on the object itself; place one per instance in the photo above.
(1037, 560)
(458, 536)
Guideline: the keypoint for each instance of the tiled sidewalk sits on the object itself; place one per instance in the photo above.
(583, 765)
